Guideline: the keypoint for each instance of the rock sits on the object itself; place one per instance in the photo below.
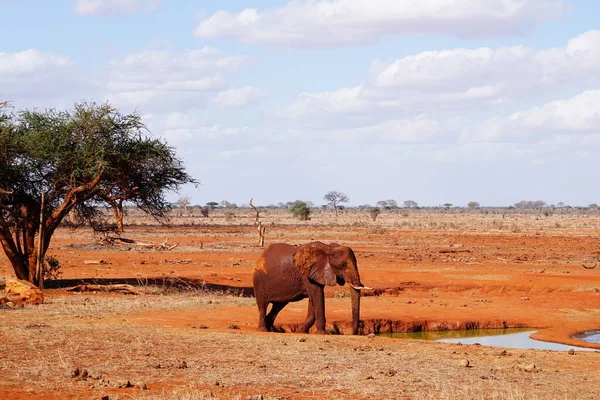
(371, 335)
(571, 352)
(26, 291)
(121, 383)
(464, 363)
(182, 365)
(141, 386)
(530, 368)
(302, 340)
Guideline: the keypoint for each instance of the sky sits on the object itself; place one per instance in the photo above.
(435, 101)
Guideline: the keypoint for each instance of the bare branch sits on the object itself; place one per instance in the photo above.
(255, 209)
(259, 226)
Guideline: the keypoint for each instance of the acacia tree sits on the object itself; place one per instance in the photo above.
(335, 198)
(148, 168)
(55, 162)
(473, 204)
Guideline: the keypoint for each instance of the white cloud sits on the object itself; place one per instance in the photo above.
(332, 23)
(34, 76)
(458, 78)
(556, 121)
(344, 100)
(239, 97)
(111, 8)
(414, 130)
(180, 127)
(166, 81)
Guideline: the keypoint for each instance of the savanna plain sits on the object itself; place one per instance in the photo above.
(190, 333)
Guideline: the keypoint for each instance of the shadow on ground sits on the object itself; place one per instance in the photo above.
(165, 282)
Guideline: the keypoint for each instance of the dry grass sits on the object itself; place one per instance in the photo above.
(92, 332)
(510, 221)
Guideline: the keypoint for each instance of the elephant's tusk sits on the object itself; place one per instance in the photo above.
(362, 288)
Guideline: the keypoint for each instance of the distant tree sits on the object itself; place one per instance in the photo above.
(335, 198)
(473, 204)
(382, 204)
(374, 212)
(310, 204)
(281, 205)
(392, 203)
(212, 205)
(300, 210)
(410, 204)
(560, 204)
(593, 206)
(387, 204)
(183, 201)
(447, 205)
(530, 205)
(226, 204)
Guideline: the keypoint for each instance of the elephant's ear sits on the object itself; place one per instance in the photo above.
(312, 261)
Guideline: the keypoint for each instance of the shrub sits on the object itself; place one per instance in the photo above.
(52, 268)
(374, 212)
(300, 210)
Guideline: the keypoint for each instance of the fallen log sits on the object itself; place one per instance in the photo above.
(122, 288)
(449, 251)
(150, 245)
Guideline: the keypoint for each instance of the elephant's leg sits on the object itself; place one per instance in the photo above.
(262, 314)
(310, 319)
(317, 297)
(270, 318)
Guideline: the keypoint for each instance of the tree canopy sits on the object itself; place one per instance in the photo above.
(54, 162)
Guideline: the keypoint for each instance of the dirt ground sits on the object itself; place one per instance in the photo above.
(192, 334)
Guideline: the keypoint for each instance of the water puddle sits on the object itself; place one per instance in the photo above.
(508, 338)
(592, 337)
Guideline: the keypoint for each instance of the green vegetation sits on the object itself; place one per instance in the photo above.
(53, 163)
(300, 210)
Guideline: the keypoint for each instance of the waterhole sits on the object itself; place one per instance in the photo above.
(513, 338)
(592, 336)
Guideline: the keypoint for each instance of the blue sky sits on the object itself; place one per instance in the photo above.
(437, 101)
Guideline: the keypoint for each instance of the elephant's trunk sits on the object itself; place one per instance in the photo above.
(355, 294)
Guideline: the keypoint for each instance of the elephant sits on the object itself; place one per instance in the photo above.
(286, 273)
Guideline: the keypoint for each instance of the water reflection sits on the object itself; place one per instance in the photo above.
(592, 337)
(508, 338)
(454, 334)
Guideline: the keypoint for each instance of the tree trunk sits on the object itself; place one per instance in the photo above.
(117, 207)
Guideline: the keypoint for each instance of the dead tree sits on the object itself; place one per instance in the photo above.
(2, 191)
(259, 226)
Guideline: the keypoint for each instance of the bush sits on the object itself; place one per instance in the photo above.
(52, 268)
(300, 210)
(374, 212)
